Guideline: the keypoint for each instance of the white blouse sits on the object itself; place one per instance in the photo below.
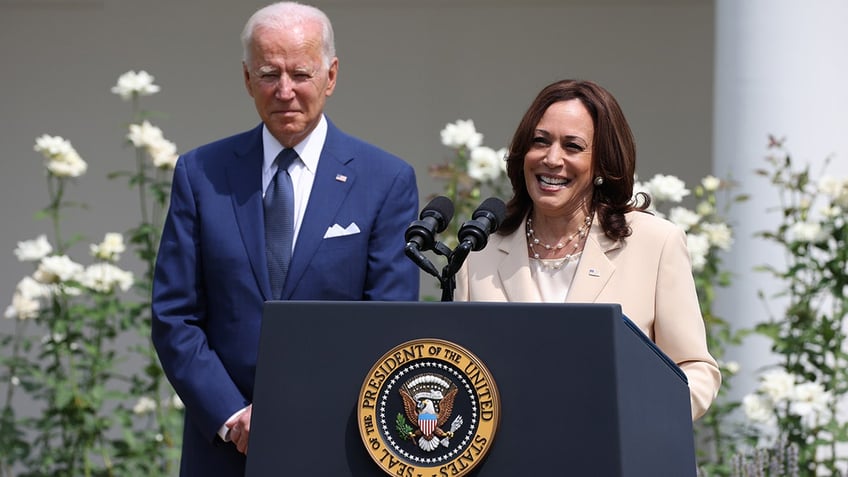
(553, 276)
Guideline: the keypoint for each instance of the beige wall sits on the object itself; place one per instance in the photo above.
(407, 68)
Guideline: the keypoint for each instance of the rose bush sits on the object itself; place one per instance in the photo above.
(801, 399)
(78, 326)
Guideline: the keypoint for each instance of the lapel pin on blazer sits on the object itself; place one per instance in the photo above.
(594, 272)
(341, 178)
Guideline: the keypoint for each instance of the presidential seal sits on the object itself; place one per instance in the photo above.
(428, 408)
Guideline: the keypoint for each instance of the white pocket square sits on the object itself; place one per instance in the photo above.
(339, 231)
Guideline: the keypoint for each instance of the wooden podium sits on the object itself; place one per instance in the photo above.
(583, 392)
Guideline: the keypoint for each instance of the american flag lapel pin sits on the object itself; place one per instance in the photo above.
(341, 177)
(593, 272)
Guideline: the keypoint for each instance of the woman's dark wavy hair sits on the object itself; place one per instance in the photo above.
(614, 157)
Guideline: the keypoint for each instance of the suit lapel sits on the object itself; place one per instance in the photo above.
(514, 269)
(327, 195)
(245, 179)
(594, 269)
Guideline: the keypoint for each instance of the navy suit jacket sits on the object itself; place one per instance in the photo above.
(211, 278)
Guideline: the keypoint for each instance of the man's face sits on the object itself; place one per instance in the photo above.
(286, 76)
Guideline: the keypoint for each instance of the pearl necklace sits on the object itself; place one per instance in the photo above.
(533, 241)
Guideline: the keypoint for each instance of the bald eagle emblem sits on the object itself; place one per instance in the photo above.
(428, 402)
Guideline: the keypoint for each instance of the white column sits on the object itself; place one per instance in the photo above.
(781, 68)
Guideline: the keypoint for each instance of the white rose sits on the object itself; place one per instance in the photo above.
(22, 307)
(778, 385)
(132, 83)
(831, 186)
(704, 209)
(719, 235)
(711, 183)
(110, 248)
(757, 409)
(732, 367)
(33, 250)
(28, 298)
(831, 212)
(144, 134)
(105, 278)
(30, 288)
(57, 269)
(807, 232)
(461, 134)
(144, 405)
(62, 159)
(683, 217)
(809, 401)
(699, 247)
(835, 189)
(163, 154)
(52, 146)
(842, 200)
(667, 188)
(71, 165)
(484, 164)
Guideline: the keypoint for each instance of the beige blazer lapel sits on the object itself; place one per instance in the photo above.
(514, 269)
(595, 269)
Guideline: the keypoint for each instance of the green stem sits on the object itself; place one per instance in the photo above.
(20, 327)
(715, 429)
(53, 210)
(141, 171)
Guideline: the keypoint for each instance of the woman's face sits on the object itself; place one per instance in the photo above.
(558, 166)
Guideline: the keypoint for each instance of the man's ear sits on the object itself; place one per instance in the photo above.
(332, 73)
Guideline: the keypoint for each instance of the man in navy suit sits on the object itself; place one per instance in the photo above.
(351, 205)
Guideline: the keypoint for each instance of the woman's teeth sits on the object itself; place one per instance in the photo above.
(553, 181)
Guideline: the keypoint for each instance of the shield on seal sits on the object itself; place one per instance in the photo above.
(427, 423)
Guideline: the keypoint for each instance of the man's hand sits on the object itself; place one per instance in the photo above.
(240, 429)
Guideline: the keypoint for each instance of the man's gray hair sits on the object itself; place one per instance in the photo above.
(282, 15)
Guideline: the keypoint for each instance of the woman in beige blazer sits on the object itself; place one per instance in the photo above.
(573, 232)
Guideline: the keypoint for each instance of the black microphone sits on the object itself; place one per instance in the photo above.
(484, 222)
(434, 218)
(474, 234)
(421, 234)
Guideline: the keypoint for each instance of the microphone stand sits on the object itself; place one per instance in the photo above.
(447, 282)
(448, 285)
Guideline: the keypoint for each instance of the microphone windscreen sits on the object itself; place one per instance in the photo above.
(440, 208)
(492, 206)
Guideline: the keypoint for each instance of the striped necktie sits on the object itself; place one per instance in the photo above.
(279, 222)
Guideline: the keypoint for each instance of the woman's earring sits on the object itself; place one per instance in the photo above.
(599, 181)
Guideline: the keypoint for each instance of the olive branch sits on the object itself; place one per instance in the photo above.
(403, 427)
